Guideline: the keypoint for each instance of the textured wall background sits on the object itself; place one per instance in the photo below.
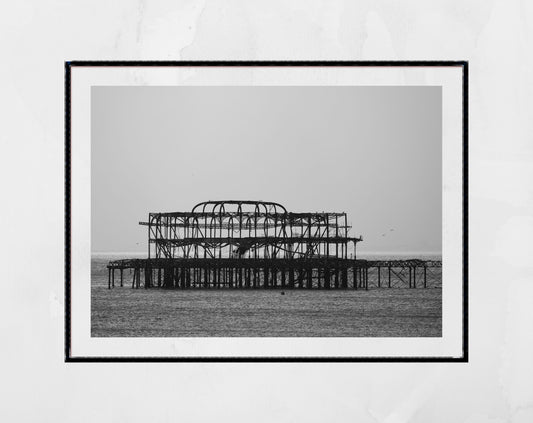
(36, 37)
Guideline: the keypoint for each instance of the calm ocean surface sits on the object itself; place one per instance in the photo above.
(126, 312)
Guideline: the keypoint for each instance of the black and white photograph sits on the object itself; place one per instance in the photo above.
(282, 213)
(266, 211)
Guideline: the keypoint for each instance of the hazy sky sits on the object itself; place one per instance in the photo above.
(373, 152)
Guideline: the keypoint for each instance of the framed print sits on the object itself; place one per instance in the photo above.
(266, 211)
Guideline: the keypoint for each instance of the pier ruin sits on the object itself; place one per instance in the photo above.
(257, 244)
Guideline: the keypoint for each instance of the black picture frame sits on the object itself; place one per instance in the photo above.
(82, 63)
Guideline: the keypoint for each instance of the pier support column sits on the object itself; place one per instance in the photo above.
(291, 278)
(265, 277)
(300, 278)
(108, 278)
(344, 280)
(168, 276)
(205, 277)
(147, 277)
(181, 284)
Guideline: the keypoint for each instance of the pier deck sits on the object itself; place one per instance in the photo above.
(315, 273)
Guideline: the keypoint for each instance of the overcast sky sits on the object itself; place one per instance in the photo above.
(373, 152)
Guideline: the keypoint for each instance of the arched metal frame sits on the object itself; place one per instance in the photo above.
(248, 230)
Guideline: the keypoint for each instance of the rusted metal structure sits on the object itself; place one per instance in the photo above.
(253, 244)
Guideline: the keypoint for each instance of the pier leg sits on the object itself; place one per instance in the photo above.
(265, 277)
(180, 278)
(366, 278)
(121, 277)
(379, 277)
(167, 277)
(414, 277)
(291, 278)
(425, 277)
(108, 278)
(345, 278)
(113, 277)
(389, 277)
(147, 282)
(326, 278)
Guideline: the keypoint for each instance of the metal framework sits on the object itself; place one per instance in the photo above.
(255, 244)
(247, 230)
